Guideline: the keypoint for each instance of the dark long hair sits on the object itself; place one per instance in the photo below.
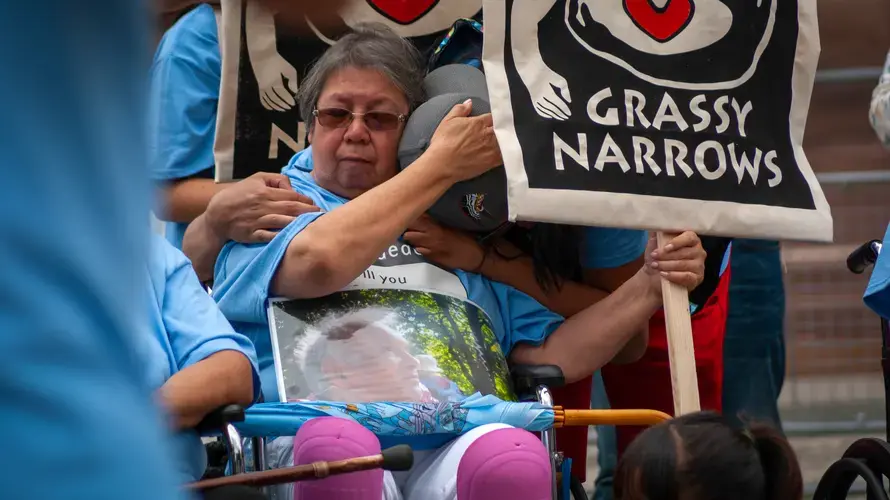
(700, 456)
(555, 250)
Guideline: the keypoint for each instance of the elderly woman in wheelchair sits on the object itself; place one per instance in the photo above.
(356, 101)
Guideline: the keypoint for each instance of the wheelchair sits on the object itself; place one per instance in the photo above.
(531, 383)
(867, 458)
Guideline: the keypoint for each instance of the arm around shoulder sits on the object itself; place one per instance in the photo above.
(202, 245)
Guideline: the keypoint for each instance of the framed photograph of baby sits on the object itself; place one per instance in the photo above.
(264, 62)
(657, 114)
(362, 346)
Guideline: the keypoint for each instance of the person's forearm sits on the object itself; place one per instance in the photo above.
(338, 246)
(191, 394)
(202, 246)
(593, 337)
(187, 199)
(568, 300)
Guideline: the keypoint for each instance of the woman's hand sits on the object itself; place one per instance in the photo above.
(466, 146)
(681, 261)
(447, 247)
(254, 209)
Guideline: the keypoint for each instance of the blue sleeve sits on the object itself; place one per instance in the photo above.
(244, 272)
(195, 326)
(877, 295)
(184, 94)
(605, 248)
(525, 319)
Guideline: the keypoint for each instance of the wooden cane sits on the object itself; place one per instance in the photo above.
(681, 353)
(394, 459)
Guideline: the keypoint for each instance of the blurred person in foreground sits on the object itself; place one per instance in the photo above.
(76, 193)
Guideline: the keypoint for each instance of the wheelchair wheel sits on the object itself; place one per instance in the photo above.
(876, 453)
(835, 484)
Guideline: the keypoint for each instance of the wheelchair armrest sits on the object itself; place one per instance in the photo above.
(527, 378)
(218, 418)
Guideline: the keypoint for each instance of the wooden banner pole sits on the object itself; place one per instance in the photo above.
(681, 353)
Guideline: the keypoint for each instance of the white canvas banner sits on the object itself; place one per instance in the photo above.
(658, 114)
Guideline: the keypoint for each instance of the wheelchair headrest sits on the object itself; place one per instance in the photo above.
(479, 204)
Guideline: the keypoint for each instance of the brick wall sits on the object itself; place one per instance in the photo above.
(829, 329)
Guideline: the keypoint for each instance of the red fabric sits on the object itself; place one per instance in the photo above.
(646, 384)
(652, 372)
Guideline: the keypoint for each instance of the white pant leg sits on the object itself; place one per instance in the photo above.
(390, 488)
(280, 453)
(435, 478)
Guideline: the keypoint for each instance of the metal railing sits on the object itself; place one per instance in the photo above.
(848, 75)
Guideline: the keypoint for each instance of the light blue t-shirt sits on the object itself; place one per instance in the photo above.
(78, 420)
(244, 272)
(185, 79)
(186, 326)
(607, 248)
(877, 295)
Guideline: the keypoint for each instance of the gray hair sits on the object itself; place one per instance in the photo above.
(323, 339)
(372, 46)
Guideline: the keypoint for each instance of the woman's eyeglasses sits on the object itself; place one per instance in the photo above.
(374, 120)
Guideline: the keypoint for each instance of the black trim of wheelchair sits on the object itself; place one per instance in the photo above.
(867, 458)
(217, 423)
(531, 382)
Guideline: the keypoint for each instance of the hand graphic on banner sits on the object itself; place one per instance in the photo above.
(543, 89)
(270, 77)
(270, 69)
(549, 91)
